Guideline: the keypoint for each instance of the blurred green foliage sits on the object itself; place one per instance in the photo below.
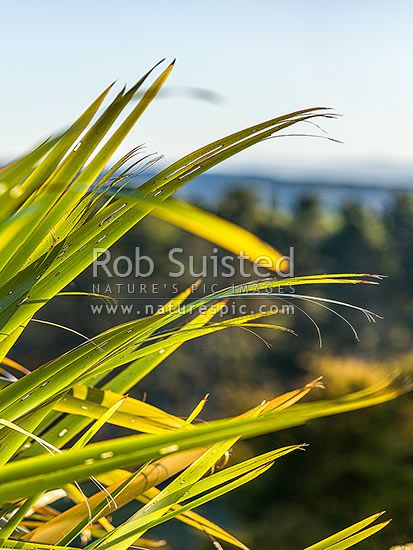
(370, 452)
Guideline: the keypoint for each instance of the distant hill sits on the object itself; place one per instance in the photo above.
(284, 192)
(372, 185)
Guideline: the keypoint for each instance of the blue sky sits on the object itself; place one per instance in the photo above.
(265, 58)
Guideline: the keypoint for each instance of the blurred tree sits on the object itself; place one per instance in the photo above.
(370, 459)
